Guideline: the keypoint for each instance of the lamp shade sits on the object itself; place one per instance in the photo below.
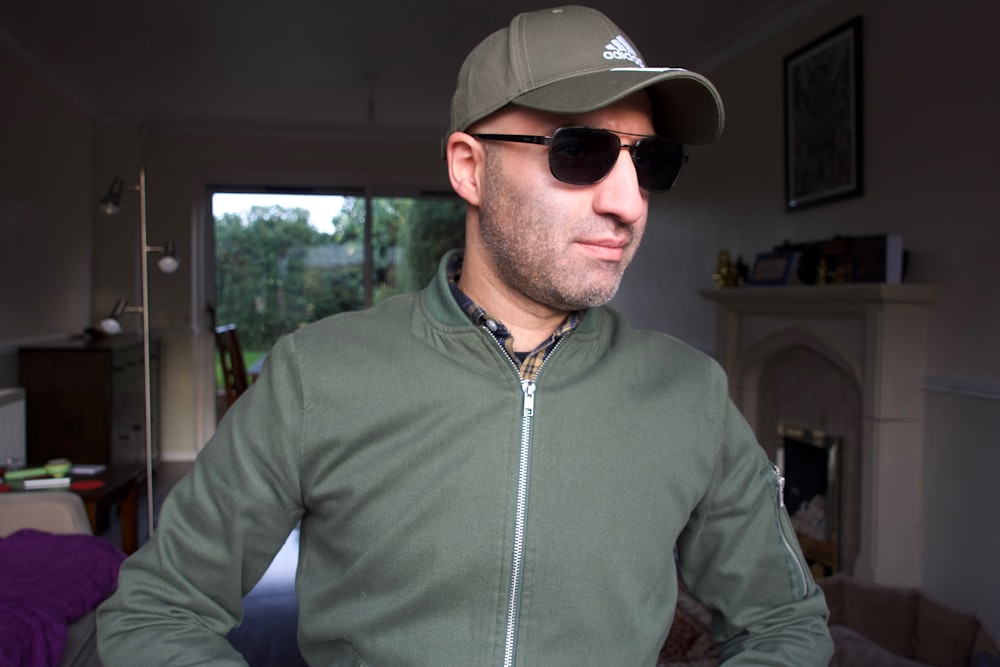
(169, 262)
(112, 201)
(112, 324)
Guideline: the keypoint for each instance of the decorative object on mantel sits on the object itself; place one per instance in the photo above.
(168, 263)
(727, 272)
(878, 258)
(823, 139)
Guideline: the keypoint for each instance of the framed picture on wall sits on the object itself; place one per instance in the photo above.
(823, 119)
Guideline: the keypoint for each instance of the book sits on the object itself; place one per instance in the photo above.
(87, 469)
(24, 473)
(877, 259)
(46, 483)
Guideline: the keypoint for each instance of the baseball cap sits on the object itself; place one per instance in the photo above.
(575, 60)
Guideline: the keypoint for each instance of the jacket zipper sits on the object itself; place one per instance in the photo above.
(784, 539)
(520, 520)
(528, 388)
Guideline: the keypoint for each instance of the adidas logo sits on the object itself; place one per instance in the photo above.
(620, 49)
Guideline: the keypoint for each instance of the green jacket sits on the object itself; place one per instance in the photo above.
(453, 515)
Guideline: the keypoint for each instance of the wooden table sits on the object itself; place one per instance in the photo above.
(121, 484)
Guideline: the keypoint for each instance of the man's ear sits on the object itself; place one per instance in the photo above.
(466, 165)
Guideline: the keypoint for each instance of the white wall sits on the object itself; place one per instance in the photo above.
(961, 540)
(45, 197)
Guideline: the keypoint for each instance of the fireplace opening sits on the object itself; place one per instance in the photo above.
(810, 461)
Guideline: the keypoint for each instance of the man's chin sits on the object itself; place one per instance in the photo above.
(596, 295)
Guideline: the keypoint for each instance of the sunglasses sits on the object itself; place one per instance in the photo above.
(585, 155)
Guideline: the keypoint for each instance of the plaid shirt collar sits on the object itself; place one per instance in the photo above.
(529, 362)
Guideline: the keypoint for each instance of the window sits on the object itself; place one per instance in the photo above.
(284, 260)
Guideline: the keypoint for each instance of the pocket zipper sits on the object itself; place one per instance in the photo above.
(778, 510)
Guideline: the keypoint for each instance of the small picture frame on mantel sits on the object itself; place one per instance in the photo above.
(823, 119)
(772, 268)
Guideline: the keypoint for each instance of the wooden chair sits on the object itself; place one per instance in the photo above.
(234, 371)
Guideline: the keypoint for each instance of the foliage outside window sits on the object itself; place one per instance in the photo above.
(276, 272)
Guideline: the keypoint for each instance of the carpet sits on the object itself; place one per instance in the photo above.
(689, 643)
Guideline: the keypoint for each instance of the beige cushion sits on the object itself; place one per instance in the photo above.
(853, 649)
(984, 644)
(944, 636)
(833, 591)
(885, 615)
(907, 623)
(59, 512)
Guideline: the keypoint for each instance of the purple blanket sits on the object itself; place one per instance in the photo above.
(46, 582)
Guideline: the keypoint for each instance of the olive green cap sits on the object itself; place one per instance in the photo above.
(575, 60)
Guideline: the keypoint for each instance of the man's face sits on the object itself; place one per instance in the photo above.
(562, 246)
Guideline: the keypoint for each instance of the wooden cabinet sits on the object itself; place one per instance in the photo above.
(84, 400)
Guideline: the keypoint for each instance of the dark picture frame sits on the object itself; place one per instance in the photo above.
(823, 119)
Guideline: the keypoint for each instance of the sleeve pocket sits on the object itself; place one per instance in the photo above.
(799, 577)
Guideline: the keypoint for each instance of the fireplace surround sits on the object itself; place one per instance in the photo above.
(847, 360)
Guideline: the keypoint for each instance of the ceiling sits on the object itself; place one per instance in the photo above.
(320, 66)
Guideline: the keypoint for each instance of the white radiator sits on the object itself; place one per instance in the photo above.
(12, 438)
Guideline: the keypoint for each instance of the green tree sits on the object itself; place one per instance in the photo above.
(275, 272)
(261, 274)
(434, 227)
(389, 215)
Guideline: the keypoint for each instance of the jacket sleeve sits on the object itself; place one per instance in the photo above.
(219, 529)
(739, 555)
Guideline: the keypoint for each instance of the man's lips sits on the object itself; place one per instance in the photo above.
(608, 249)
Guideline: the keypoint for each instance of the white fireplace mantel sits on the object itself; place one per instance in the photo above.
(875, 333)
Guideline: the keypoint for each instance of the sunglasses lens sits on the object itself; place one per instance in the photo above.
(582, 156)
(657, 163)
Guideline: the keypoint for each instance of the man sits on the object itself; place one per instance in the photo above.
(496, 471)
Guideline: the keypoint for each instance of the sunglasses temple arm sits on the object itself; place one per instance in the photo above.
(517, 138)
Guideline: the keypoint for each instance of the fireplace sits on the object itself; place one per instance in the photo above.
(810, 462)
(844, 360)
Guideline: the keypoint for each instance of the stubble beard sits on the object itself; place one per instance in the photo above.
(521, 232)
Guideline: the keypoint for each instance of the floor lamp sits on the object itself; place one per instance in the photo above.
(168, 263)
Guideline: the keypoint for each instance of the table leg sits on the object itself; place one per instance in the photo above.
(91, 506)
(130, 520)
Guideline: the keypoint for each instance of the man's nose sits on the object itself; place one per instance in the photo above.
(619, 193)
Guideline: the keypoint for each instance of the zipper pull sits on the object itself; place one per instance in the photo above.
(528, 387)
(781, 486)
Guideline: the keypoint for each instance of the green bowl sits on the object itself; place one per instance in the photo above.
(58, 467)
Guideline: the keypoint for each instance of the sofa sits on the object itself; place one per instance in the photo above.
(872, 626)
(53, 574)
(883, 626)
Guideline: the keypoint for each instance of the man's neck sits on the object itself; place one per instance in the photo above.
(530, 323)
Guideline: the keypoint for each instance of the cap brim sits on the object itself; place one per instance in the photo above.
(686, 106)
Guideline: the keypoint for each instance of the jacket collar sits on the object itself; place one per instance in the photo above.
(442, 305)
